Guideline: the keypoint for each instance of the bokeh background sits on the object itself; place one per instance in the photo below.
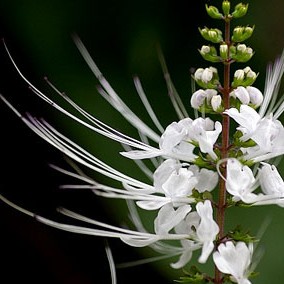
(123, 37)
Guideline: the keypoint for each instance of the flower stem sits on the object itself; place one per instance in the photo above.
(221, 207)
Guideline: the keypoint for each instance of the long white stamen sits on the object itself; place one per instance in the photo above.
(146, 104)
(111, 263)
(272, 83)
(49, 134)
(111, 96)
(103, 128)
(146, 260)
(134, 234)
(160, 247)
(174, 96)
(74, 151)
(140, 164)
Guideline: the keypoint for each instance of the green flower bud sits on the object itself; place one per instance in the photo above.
(213, 35)
(226, 5)
(240, 10)
(209, 53)
(243, 53)
(224, 51)
(213, 12)
(239, 77)
(250, 77)
(241, 34)
(244, 77)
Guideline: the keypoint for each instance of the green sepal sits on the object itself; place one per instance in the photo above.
(192, 276)
(242, 56)
(213, 12)
(247, 81)
(241, 34)
(244, 144)
(240, 10)
(204, 163)
(248, 163)
(207, 195)
(239, 235)
(211, 55)
(234, 102)
(207, 108)
(248, 144)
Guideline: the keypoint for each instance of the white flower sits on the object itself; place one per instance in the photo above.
(179, 184)
(168, 218)
(177, 140)
(207, 230)
(205, 132)
(175, 143)
(174, 183)
(202, 229)
(272, 184)
(267, 132)
(187, 226)
(234, 260)
(255, 95)
(207, 180)
(242, 94)
(240, 181)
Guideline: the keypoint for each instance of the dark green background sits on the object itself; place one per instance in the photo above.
(122, 36)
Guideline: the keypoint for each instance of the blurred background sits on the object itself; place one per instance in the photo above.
(122, 36)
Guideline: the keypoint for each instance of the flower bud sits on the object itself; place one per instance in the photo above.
(226, 6)
(241, 34)
(202, 98)
(209, 53)
(240, 10)
(256, 96)
(244, 77)
(207, 75)
(250, 78)
(213, 35)
(207, 78)
(242, 94)
(239, 75)
(197, 99)
(242, 53)
(216, 103)
(224, 51)
(213, 12)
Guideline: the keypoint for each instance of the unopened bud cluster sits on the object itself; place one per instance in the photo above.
(226, 51)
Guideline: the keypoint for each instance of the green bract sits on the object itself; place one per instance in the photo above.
(213, 35)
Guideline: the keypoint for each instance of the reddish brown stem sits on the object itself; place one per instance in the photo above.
(221, 207)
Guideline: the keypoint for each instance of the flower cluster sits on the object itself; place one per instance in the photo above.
(192, 158)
